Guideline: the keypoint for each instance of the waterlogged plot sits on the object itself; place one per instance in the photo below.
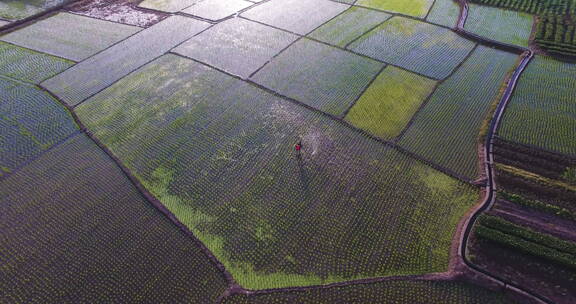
(76, 230)
(444, 12)
(30, 122)
(96, 73)
(416, 8)
(417, 46)
(70, 36)
(28, 65)
(348, 26)
(237, 46)
(318, 75)
(219, 153)
(298, 16)
(170, 6)
(393, 291)
(542, 111)
(20, 9)
(390, 101)
(499, 24)
(446, 130)
(217, 9)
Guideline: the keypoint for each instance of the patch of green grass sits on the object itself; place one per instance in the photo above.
(416, 8)
(390, 102)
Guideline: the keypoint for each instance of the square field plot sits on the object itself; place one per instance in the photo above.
(28, 65)
(416, 8)
(348, 26)
(298, 16)
(217, 9)
(444, 12)
(70, 36)
(318, 75)
(219, 154)
(390, 102)
(237, 46)
(170, 6)
(414, 45)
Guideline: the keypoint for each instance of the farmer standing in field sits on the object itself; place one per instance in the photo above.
(298, 146)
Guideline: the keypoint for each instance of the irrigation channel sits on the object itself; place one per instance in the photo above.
(466, 224)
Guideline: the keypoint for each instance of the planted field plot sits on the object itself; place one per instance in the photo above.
(444, 12)
(30, 123)
(348, 26)
(499, 24)
(237, 46)
(446, 130)
(396, 291)
(417, 46)
(390, 102)
(541, 112)
(321, 76)
(416, 8)
(70, 36)
(20, 9)
(219, 153)
(217, 9)
(170, 6)
(556, 22)
(28, 65)
(297, 16)
(96, 73)
(75, 230)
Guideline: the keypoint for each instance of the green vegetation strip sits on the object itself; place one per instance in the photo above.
(538, 205)
(544, 181)
(526, 240)
(541, 111)
(393, 291)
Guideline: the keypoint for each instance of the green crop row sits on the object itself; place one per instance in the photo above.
(556, 34)
(538, 205)
(526, 246)
(527, 234)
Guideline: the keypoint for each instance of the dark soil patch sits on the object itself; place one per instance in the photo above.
(538, 275)
(121, 11)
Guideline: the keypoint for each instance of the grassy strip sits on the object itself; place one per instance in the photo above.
(538, 205)
(525, 246)
(536, 178)
(494, 105)
(527, 234)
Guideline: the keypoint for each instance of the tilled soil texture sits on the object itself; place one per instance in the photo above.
(536, 220)
(556, 283)
(121, 11)
(547, 164)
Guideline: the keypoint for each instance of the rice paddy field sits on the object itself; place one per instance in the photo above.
(282, 151)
